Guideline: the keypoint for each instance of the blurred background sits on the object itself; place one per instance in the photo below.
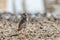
(12, 8)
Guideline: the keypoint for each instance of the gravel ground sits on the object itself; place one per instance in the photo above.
(39, 29)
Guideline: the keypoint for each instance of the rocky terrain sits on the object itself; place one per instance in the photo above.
(37, 29)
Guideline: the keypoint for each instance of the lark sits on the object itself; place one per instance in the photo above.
(23, 21)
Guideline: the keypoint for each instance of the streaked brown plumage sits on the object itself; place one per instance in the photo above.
(23, 21)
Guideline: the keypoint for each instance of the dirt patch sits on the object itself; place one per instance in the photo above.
(42, 29)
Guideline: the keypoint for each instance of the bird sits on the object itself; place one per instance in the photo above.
(23, 21)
